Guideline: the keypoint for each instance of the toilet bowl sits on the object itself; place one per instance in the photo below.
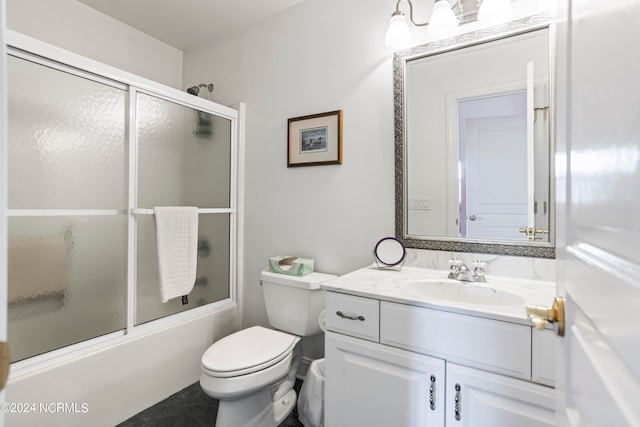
(252, 372)
(243, 369)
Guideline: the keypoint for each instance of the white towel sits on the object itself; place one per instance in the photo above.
(177, 244)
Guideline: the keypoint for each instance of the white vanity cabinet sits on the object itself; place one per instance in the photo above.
(375, 385)
(477, 398)
(396, 364)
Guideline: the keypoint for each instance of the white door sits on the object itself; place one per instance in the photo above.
(598, 193)
(3, 198)
(496, 147)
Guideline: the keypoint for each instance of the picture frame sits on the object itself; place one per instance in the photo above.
(315, 140)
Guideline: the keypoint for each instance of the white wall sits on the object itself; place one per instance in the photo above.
(315, 57)
(318, 56)
(76, 27)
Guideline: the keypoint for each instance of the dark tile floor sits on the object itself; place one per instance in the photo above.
(190, 407)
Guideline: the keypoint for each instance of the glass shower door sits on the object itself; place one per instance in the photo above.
(88, 160)
(67, 199)
(184, 159)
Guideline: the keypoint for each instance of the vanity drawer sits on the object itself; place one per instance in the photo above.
(492, 345)
(352, 315)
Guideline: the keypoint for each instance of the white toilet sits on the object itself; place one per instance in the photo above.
(252, 372)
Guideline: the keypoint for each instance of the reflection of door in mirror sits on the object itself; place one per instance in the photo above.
(503, 168)
(493, 145)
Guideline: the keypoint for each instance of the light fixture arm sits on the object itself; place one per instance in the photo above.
(398, 12)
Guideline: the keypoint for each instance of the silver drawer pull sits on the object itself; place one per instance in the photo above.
(458, 403)
(432, 393)
(344, 316)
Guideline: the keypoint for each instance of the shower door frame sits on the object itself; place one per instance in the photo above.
(3, 188)
(33, 50)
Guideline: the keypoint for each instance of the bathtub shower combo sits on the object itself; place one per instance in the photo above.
(91, 151)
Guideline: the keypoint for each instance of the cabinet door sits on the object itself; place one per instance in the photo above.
(477, 398)
(369, 384)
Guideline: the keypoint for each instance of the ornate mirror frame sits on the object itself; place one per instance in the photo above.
(400, 58)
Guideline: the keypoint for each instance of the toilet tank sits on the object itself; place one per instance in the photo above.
(294, 303)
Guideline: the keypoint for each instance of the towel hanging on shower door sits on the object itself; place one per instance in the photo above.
(177, 245)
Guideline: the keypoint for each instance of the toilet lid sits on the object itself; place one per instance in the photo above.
(247, 351)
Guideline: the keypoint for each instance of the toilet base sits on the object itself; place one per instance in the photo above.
(283, 407)
(255, 410)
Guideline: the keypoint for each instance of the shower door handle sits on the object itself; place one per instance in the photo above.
(5, 363)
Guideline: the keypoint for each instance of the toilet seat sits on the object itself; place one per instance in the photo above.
(247, 351)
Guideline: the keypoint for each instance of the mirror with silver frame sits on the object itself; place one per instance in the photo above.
(474, 141)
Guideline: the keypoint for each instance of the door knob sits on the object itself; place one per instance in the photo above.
(541, 315)
(473, 217)
(532, 231)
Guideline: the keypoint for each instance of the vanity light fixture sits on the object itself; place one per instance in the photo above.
(445, 18)
(494, 11)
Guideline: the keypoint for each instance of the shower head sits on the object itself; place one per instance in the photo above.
(204, 125)
(195, 90)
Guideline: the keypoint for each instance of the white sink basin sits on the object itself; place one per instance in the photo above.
(464, 292)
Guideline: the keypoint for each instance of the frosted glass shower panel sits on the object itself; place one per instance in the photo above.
(66, 140)
(212, 274)
(184, 155)
(67, 281)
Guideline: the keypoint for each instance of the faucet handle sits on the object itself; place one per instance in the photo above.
(478, 271)
(454, 267)
(455, 262)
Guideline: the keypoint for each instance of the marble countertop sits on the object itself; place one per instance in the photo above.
(407, 286)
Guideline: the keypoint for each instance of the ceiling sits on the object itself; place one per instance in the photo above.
(187, 23)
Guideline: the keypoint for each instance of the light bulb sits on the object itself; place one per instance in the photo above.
(398, 34)
(443, 22)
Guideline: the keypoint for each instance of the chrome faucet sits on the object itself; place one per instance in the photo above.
(460, 271)
(464, 275)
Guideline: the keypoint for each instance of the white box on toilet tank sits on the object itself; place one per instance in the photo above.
(294, 303)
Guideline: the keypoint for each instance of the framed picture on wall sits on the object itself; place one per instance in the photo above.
(315, 140)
